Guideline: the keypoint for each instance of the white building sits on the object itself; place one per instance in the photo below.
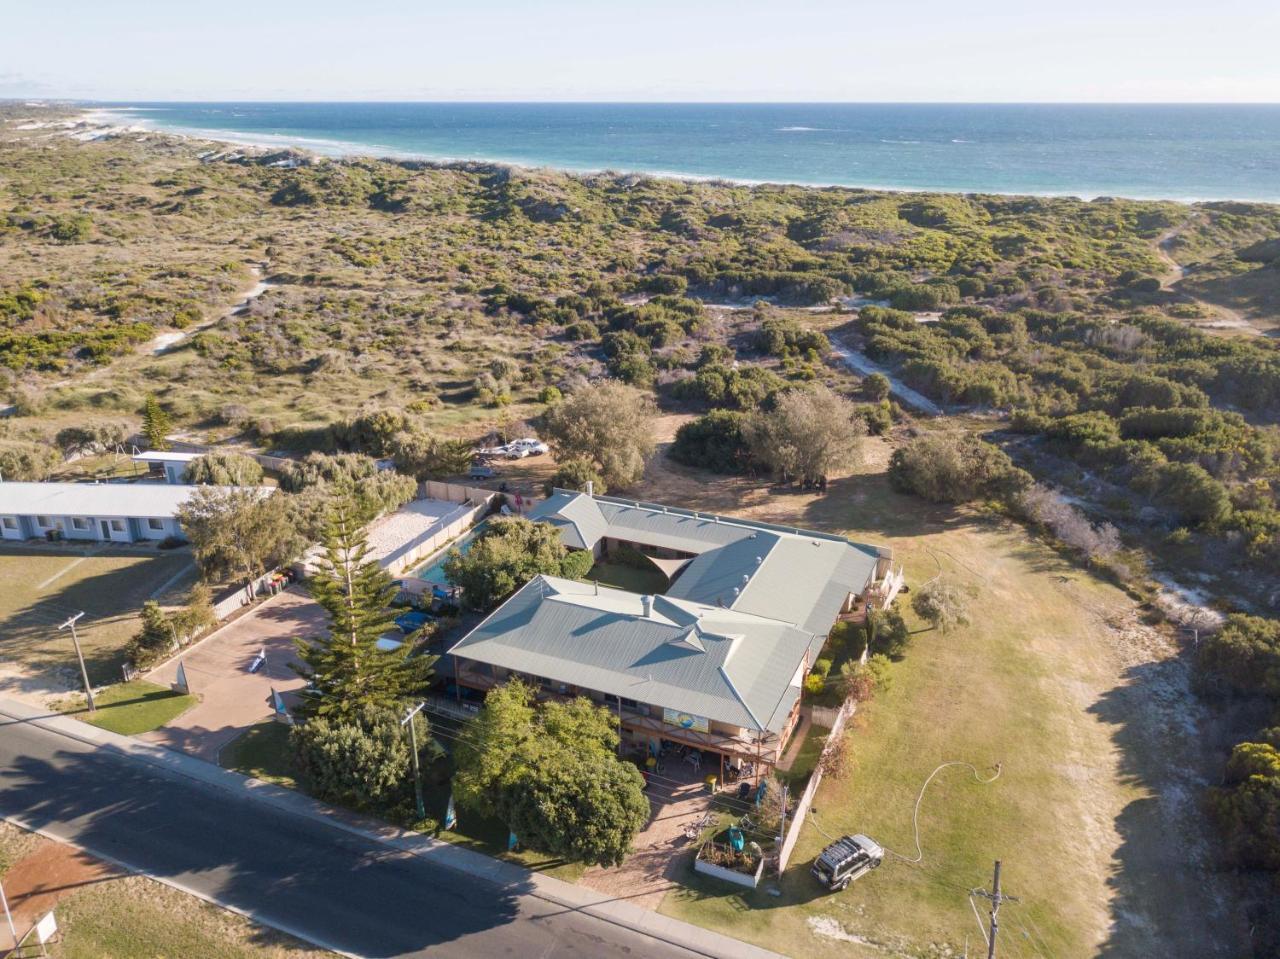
(173, 465)
(118, 512)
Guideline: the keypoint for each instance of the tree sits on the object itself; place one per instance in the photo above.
(90, 439)
(552, 775)
(239, 532)
(354, 476)
(941, 604)
(807, 435)
(198, 614)
(508, 553)
(860, 681)
(954, 467)
(424, 456)
(876, 387)
(608, 424)
(155, 424)
(224, 469)
(361, 759)
(887, 632)
(575, 475)
(345, 666)
(153, 640)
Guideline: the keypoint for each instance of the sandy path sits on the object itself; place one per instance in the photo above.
(167, 341)
(1175, 272)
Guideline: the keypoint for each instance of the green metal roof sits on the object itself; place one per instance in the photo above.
(728, 639)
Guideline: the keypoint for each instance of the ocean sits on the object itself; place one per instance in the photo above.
(1178, 152)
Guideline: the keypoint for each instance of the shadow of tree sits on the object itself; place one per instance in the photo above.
(1165, 867)
(110, 601)
(343, 890)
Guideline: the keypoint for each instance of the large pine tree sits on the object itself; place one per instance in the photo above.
(346, 667)
(155, 424)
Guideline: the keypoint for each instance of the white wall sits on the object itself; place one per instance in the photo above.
(132, 529)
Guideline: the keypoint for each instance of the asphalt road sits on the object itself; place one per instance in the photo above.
(328, 885)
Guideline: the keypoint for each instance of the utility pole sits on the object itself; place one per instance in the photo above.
(997, 898)
(8, 916)
(413, 744)
(84, 673)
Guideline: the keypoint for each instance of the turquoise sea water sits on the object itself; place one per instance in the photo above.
(1183, 152)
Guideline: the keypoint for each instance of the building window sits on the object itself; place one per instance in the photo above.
(10, 523)
(44, 522)
(79, 522)
(156, 524)
(117, 525)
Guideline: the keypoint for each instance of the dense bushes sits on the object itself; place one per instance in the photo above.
(716, 441)
(1243, 657)
(954, 467)
(362, 763)
(1247, 805)
(506, 555)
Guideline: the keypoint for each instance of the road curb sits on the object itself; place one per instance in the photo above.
(505, 875)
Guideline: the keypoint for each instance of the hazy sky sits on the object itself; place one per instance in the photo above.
(983, 50)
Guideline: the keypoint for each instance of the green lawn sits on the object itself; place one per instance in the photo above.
(1032, 684)
(41, 585)
(627, 577)
(262, 751)
(132, 708)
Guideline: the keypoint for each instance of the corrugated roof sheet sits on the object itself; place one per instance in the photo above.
(718, 663)
(93, 499)
(725, 642)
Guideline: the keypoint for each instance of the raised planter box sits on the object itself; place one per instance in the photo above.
(729, 875)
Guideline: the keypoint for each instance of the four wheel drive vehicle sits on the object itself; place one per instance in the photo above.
(481, 471)
(528, 446)
(845, 860)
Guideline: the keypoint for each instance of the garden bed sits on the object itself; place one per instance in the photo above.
(721, 862)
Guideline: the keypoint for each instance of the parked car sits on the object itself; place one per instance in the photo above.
(845, 860)
(528, 446)
(480, 471)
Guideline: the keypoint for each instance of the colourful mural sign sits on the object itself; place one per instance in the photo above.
(673, 717)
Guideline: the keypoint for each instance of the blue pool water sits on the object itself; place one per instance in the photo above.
(434, 573)
(1165, 151)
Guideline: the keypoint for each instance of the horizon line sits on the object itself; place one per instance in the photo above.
(629, 102)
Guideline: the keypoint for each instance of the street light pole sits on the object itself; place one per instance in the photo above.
(413, 745)
(84, 673)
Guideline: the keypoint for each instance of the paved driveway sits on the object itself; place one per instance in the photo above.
(231, 698)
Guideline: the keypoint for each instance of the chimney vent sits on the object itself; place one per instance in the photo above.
(646, 601)
(591, 488)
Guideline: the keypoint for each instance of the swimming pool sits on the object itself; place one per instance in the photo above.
(433, 572)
